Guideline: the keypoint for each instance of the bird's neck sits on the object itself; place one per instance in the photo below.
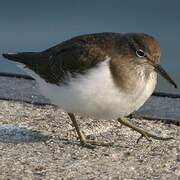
(129, 77)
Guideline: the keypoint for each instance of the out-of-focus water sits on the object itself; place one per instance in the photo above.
(37, 25)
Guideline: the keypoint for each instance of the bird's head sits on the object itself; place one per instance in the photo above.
(145, 51)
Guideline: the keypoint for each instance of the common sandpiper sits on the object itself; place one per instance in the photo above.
(101, 75)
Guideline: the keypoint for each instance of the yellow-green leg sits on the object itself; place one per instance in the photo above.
(83, 140)
(143, 132)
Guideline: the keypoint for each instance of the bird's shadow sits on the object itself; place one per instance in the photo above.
(10, 133)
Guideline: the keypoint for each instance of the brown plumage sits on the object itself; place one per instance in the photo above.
(86, 51)
(113, 75)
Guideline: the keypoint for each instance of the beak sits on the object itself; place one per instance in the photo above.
(164, 74)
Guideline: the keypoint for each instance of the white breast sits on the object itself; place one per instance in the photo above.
(95, 94)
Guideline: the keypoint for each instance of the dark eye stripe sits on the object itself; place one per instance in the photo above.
(135, 46)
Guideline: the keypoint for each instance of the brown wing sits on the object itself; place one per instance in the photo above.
(70, 57)
(74, 62)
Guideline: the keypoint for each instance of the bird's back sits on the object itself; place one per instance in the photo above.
(73, 56)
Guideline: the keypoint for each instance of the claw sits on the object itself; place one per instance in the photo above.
(99, 143)
(89, 146)
(143, 132)
(142, 135)
(92, 143)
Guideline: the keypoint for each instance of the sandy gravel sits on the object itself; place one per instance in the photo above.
(38, 142)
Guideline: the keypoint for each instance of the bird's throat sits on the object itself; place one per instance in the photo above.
(129, 78)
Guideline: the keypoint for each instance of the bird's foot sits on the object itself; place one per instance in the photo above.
(93, 143)
(87, 142)
(143, 132)
(149, 135)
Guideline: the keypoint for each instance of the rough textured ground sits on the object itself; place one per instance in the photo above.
(38, 142)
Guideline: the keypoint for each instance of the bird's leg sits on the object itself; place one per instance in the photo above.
(83, 140)
(143, 132)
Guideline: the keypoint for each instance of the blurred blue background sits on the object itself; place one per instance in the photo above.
(37, 25)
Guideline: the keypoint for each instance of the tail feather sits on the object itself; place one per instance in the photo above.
(21, 57)
(29, 59)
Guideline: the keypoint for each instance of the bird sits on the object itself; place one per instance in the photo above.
(107, 75)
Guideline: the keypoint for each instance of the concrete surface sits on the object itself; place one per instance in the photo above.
(38, 142)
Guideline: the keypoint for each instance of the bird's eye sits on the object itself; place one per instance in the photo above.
(140, 53)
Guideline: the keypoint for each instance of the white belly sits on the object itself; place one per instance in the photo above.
(95, 94)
